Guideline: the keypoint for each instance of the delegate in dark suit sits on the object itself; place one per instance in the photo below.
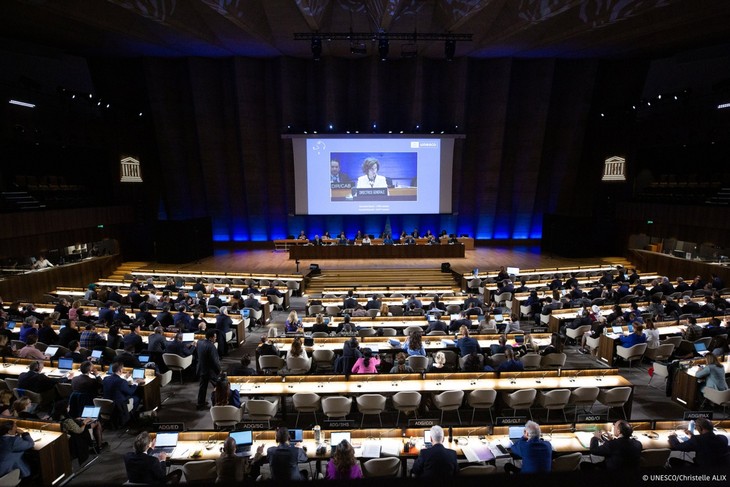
(436, 462)
(711, 450)
(120, 391)
(209, 366)
(12, 448)
(620, 453)
(144, 469)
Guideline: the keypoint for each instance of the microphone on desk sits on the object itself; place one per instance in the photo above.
(513, 379)
(600, 378)
(572, 379)
(539, 381)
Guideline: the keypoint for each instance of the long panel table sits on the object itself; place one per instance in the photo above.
(310, 252)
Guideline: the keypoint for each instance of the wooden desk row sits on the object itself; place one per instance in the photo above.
(289, 243)
(310, 252)
(51, 446)
(686, 387)
(149, 389)
(193, 276)
(549, 271)
(405, 291)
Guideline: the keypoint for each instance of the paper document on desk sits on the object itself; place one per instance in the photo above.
(584, 437)
(370, 449)
(478, 453)
(497, 452)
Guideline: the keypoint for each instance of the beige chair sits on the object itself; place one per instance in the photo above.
(472, 470)
(271, 364)
(567, 463)
(449, 401)
(12, 478)
(396, 310)
(225, 416)
(631, 353)
(382, 467)
(315, 309)
(276, 301)
(306, 402)
(255, 315)
(261, 409)
(576, 333)
(410, 329)
(177, 363)
(388, 332)
(721, 398)
(106, 408)
(676, 340)
(614, 398)
(371, 404)
(525, 311)
(418, 363)
(654, 457)
(324, 360)
(553, 361)
(320, 334)
(531, 361)
(481, 399)
(593, 344)
(555, 399)
(498, 359)
(522, 399)
(332, 310)
(203, 471)
(373, 313)
(34, 397)
(293, 286)
(297, 366)
(165, 378)
(367, 332)
(663, 352)
(584, 397)
(406, 401)
(336, 406)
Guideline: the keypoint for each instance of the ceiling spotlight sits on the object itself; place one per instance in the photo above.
(316, 48)
(449, 49)
(383, 48)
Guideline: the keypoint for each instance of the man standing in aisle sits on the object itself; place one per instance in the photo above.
(209, 367)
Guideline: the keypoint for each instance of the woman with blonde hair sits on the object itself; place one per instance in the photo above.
(385, 310)
(439, 364)
(292, 323)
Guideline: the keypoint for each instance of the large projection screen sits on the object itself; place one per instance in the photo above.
(373, 174)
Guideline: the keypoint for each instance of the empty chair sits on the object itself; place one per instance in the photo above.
(367, 332)
(662, 352)
(373, 313)
(675, 340)
(555, 399)
(436, 333)
(631, 353)
(306, 402)
(654, 457)
(297, 366)
(388, 332)
(567, 463)
(531, 361)
(584, 397)
(106, 408)
(165, 378)
(271, 364)
(259, 409)
(293, 286)
(382, 467)
(406, 401)
(477, 470)
(255, 315)
(453, 309)
(320, 334)
(333, 310)
(175, 362)
(371, 404)
(522, 399)
(200, 471)
(418, 363)
(410, 329)
(525, 311)
(449, 401)
(323, 360)
(481, 399)
(315, 309)
(396, 310)
(336, 406)
(614, 398)
(721, 398)
(592, 344)
(225, 416)
(553, 361)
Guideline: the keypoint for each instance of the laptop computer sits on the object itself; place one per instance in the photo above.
(244, 440)
(308, 341)
(245, 312)
(499, 318)
(631, 328)
(91, 412)
(51, 351)
(138, 374)
(143, 359)
(454, 316)
(295, 436)
(188, 337)
(65, 364)
(336, 438)
(519, 339)
(701, 348)
(165, 442)
(10, 325)
(430, 317)
(326, 321)
(617, 330)
(427, 439)
(96, 354)
(516, 432)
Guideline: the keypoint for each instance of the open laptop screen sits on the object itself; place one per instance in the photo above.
(336, 437)
(242, 437)
(66, 363)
